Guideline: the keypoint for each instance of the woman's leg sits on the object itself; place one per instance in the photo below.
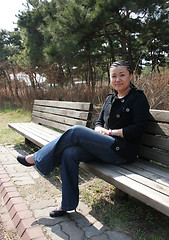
(98, 145)
(71, 158)
(47, 158)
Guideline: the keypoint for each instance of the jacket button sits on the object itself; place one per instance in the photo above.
(127, 109)
(117, 148)
(117, 115)
(122, 101)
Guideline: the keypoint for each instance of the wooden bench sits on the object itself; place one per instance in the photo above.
(147, 179)
(50, 118)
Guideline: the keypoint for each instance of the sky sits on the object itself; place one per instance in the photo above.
(8, 10)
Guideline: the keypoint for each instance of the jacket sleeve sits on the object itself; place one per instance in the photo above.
(100, 122)
(140, 117)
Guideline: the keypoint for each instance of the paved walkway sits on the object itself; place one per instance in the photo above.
(30, 218)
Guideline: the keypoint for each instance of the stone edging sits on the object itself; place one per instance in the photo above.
(25, 224)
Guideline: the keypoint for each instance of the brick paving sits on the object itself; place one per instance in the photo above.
(1, 233)
(31, 220)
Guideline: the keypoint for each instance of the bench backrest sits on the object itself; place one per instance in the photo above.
(155, 143)
(60, 114)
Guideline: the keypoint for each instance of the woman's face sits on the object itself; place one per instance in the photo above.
(120, 79)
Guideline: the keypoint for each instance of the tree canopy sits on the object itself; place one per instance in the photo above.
(82, 38)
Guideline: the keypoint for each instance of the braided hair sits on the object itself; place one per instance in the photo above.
(123, 63)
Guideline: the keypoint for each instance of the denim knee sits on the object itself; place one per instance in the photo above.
(77, 127)
(72, 153)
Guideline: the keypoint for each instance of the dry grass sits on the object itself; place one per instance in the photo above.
(155, 86)
(156, 89)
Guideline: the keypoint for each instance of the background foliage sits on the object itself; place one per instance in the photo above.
(61, 41)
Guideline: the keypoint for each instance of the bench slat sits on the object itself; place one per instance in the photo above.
(159, 115)
(142, 171)
(50, 123)
(145, 194)
(156, 141)
(154, 155)
(141, 179)
(46, 130)
(158, 128)
(32, 132)
(33, 138)
(162, 172)
(59, 119)
(61, 112)
(83, 106)
(40, 132)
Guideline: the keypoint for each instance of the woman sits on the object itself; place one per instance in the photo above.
(121, 123)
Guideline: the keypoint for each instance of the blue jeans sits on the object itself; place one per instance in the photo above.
(77, 144)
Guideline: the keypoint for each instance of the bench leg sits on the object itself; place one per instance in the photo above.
(119, 196)
(31, 145)
(27, 141)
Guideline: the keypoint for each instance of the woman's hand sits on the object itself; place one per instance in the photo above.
(115, 132)
(102, 130)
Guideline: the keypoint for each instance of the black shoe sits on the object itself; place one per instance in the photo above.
(22, 160)
(57, 213)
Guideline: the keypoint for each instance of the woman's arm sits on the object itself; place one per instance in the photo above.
(99, 126)
(110, 132)
(116, 132)
(140, 114)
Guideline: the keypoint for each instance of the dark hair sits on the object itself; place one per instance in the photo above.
(123, 63)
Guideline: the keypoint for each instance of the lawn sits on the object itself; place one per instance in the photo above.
(133, 217)
(9, 114)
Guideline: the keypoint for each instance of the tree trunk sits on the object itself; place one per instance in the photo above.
(130, 58)
(110, 44)
(91, 74)
(32, 80)
(16, 86)
(70, 78)
(8, 80)
(122, 37)
(108, 73)
(60, 76)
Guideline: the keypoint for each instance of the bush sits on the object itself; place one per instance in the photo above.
(154, 85)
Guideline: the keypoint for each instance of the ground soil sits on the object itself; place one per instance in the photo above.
(7, 234)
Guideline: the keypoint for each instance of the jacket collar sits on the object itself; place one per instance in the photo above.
(128, 94)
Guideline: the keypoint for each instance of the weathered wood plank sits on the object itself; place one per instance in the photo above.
(59, 119)
(45, 129)
(83, 106)
(145, 181)
(141, 171)
(156, 141)
(49, 123)
(159, 115)
(145, 194)
(36, 140)
(162, 172)
(154, 154)
(46, 135)
(158, 128)
(28, 131)
(62, 112)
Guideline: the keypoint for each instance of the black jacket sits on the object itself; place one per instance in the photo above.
(130, 113)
